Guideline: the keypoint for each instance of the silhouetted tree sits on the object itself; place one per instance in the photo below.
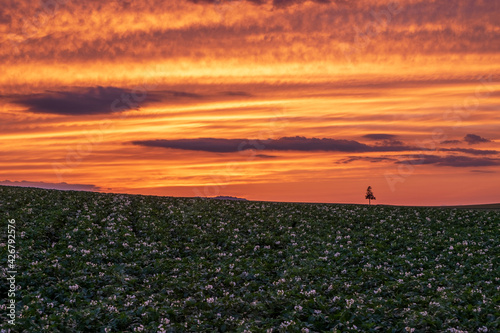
(369, 195)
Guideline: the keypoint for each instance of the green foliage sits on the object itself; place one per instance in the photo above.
(92, 262)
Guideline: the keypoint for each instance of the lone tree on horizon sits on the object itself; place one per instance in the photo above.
(369, 195)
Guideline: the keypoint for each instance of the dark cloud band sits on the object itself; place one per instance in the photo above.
(86, 101)
(377, 136)
(296, 143)
(98, 100)
(473, 139)
(452, 161)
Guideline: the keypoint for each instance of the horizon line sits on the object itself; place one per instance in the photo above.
(222, 197)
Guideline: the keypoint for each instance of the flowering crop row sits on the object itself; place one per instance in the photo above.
(94, 262)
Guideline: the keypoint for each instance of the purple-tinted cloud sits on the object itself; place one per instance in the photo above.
(265, 156)
(86, 101)
(297, 143)
(286, 143)
(276, 3)
(379, 136)
(474, 139)
(96, 100)
(471, 151)
(451, 142)
(451, 160)
(384, 139)
(370, 159)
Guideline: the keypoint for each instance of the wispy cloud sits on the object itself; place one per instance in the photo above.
(370, 159)
(483, 171)
(379, 136)
(452, 161)
(451, 142)
(255, 28)
(277, 3)
(471, 151)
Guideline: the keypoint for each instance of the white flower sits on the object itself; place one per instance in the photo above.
(349, 302)
(287, 323)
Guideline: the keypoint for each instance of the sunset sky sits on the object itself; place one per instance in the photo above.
(282, 100)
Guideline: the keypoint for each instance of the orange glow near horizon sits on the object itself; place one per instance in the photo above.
(402, 98)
